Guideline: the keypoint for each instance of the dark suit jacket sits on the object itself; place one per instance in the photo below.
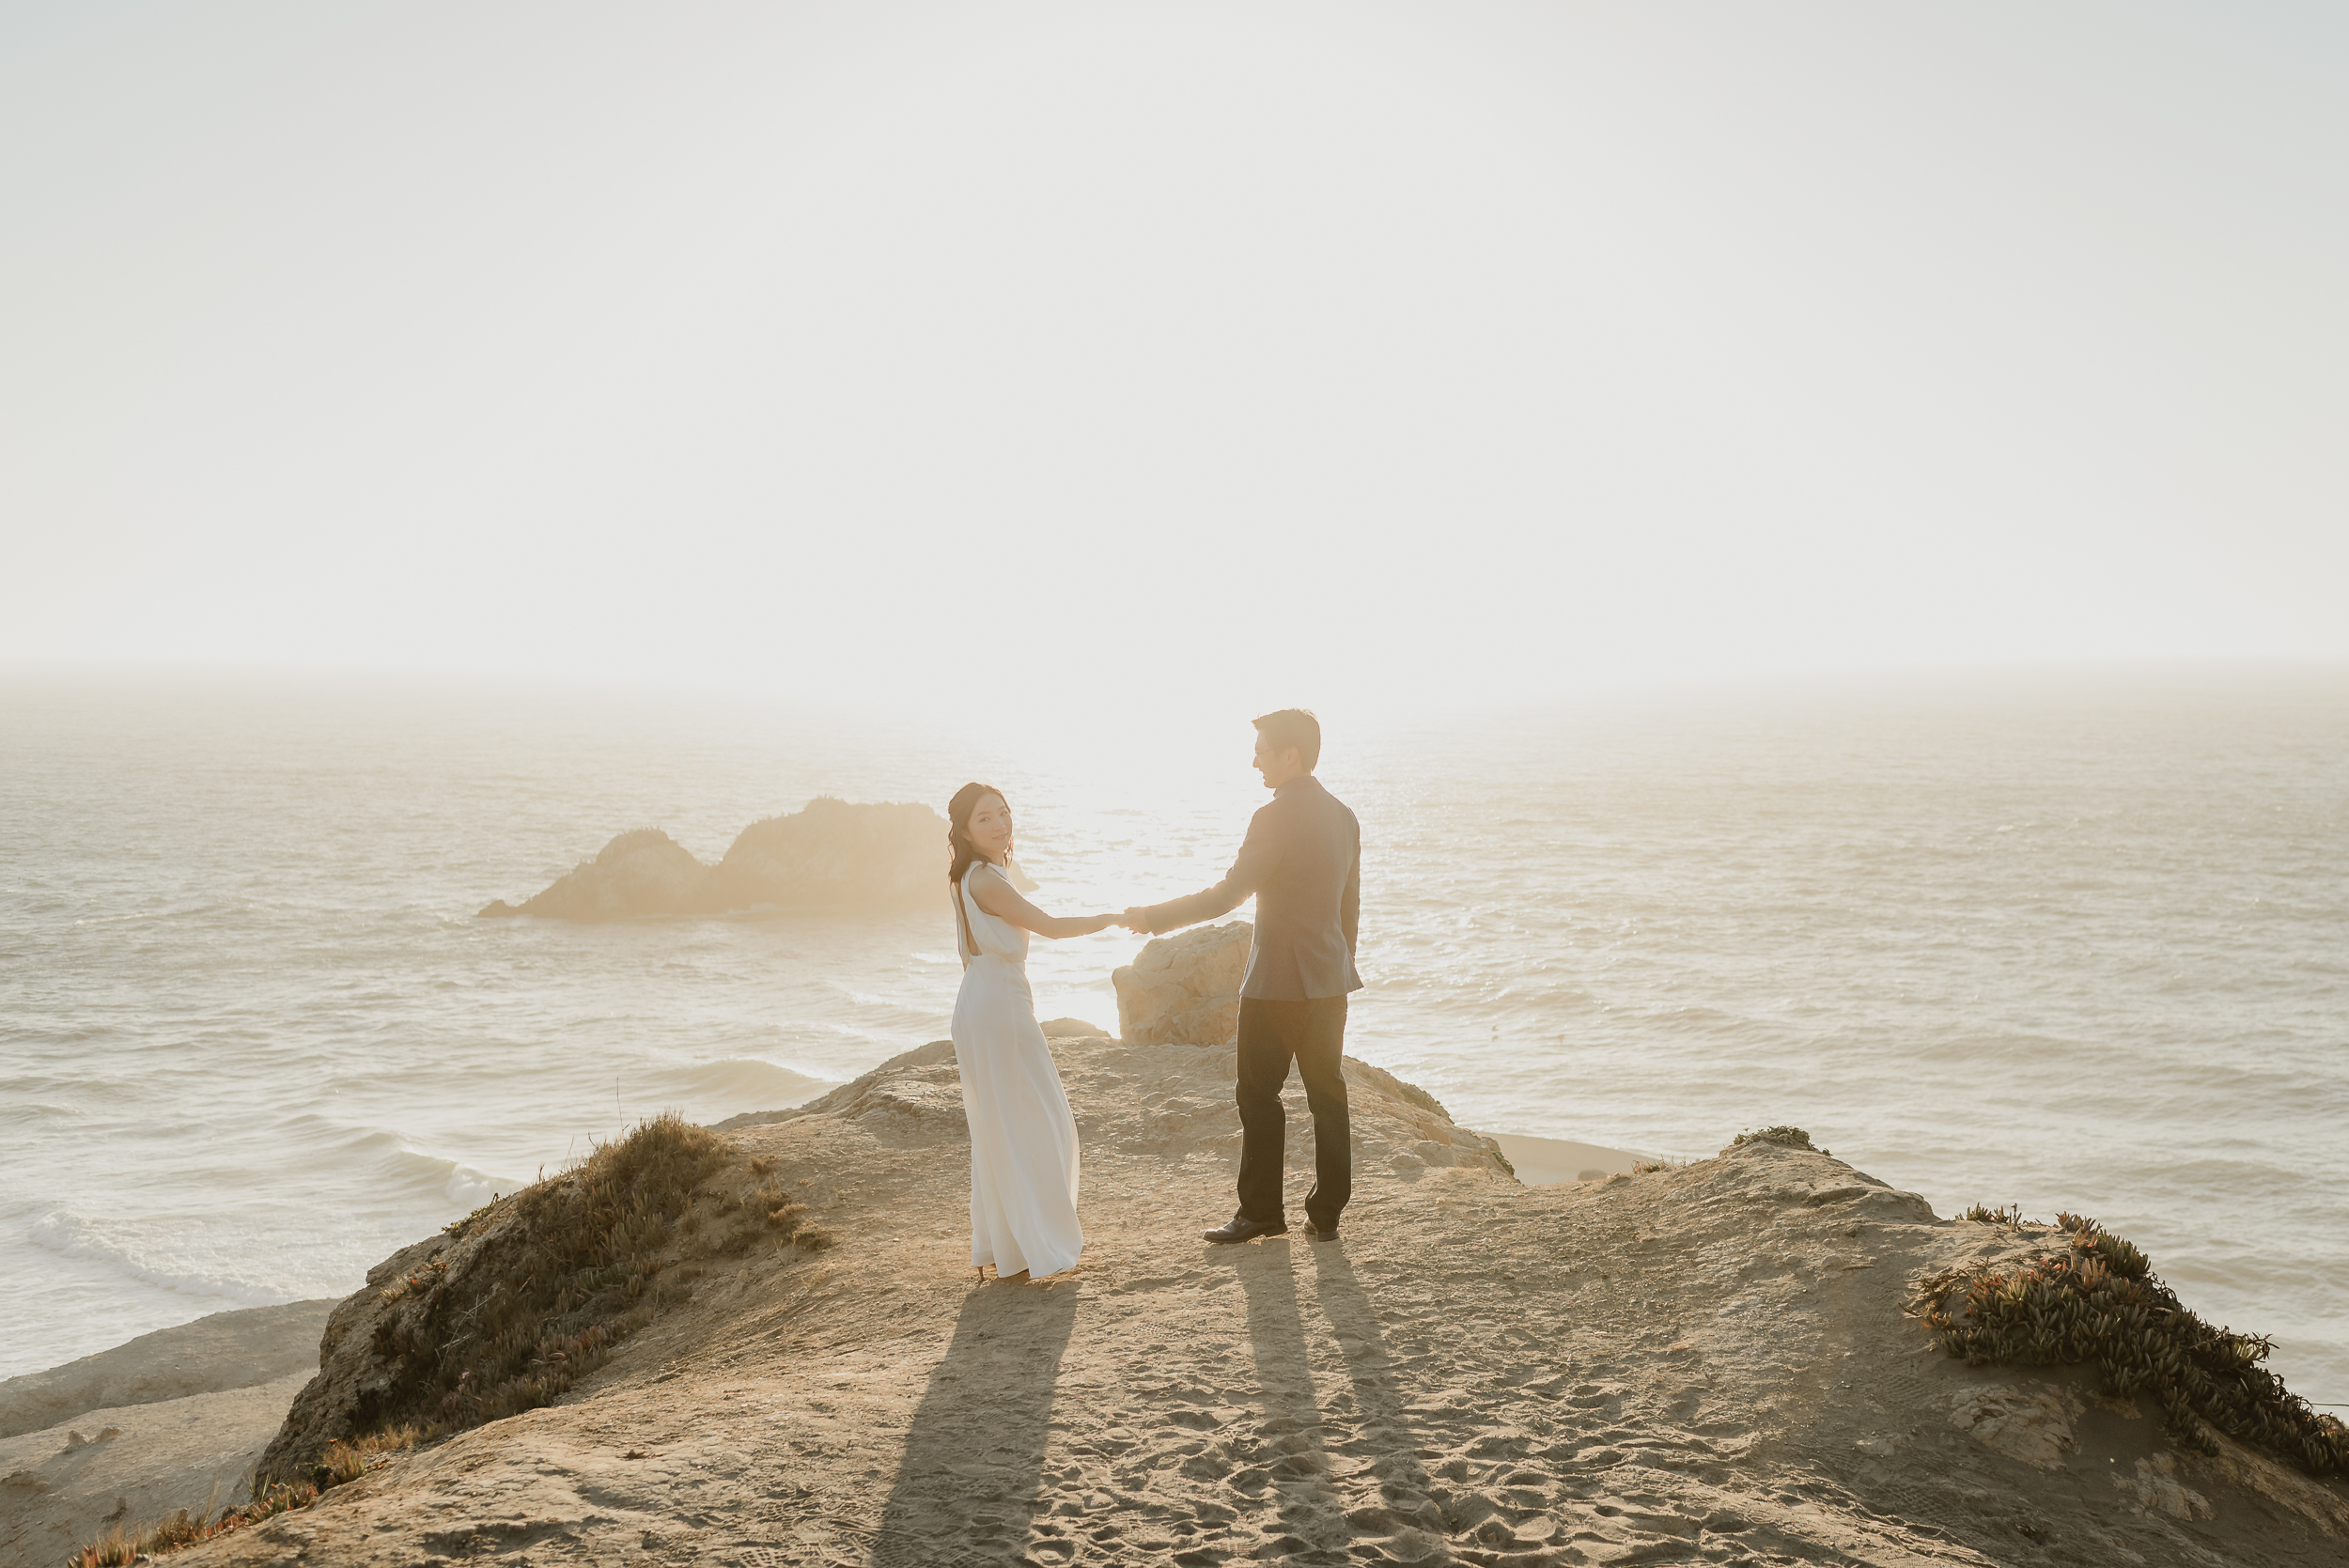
(1303, 860)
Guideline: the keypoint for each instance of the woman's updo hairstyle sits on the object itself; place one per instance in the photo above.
(958, 843)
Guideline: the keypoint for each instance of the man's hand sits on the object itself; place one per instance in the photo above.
(1136, 920)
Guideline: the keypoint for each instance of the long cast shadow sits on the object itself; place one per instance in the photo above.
(1385, 1430)
(968, 1488)
(1286, 1454)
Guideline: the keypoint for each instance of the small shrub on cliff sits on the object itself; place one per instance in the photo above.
(1792, 1138)
(2099, 1301)
(573, 1270)
(561, 1272)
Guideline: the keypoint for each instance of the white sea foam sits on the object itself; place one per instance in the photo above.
(187, 1266)
(453, 1180)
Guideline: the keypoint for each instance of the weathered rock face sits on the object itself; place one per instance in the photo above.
(833, 855)
(1184, 989)
(829, 855)
(643, 872)
(350, 1378)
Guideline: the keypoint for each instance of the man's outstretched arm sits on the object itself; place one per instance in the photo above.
(1257, 857)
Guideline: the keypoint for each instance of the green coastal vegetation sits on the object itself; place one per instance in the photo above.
(2095, 1300)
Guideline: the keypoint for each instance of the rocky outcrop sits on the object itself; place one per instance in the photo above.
(1184, 989)
(833, 855)
(1172, 1101)
(643, 872)
(830, 855)
(351, 1378)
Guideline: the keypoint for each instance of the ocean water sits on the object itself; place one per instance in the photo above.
(2070, 942)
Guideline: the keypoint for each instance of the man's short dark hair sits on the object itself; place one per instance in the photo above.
(1293, 726)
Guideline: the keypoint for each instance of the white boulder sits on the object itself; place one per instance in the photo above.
(1184, 989)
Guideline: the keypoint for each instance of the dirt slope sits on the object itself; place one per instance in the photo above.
(1702, 1365)
(62, 1486)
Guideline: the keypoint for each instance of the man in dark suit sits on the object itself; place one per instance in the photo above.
(1302, 862)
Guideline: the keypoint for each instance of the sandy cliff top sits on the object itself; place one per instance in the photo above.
(1705, 1364)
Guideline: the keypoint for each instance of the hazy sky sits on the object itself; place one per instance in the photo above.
(1235, 354)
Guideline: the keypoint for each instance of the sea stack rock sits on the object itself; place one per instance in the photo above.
(643, 872)
(836, 856)
(1184, 990)
(829, 855)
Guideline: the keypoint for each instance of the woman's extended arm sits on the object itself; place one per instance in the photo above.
(995, 896)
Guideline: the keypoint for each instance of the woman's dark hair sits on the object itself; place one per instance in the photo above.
(958, 812)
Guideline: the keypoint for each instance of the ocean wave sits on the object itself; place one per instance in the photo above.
(434, 1179)
(463, 1185)
(36, 1111)
(225, 1276)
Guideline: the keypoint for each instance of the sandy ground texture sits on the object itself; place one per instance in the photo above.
(147, 1427)
(61, 1487)
(1707, 1364)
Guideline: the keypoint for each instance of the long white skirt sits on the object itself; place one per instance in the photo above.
(1023, 1140)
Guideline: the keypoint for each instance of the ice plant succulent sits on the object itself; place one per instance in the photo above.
(2098, 1301)
(1785, 1137)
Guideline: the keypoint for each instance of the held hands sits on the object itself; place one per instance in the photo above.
(1134, 920)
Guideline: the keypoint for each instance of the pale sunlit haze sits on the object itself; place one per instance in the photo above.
(1229, 355)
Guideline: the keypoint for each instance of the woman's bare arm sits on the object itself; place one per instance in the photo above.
(995, 896)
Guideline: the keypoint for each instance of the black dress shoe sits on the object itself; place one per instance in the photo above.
(1246, 1230)
(1319, 1232)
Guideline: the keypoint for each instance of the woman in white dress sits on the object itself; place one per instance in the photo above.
(1023, 1141)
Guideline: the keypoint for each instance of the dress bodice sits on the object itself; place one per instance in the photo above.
(994, 938)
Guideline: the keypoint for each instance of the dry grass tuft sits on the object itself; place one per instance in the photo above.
(342, 1463)
(575, 1268)
(2099, 1301)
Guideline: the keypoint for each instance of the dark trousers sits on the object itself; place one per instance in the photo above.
(1313, 1035)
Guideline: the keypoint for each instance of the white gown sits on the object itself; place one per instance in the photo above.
(1023, 1141)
